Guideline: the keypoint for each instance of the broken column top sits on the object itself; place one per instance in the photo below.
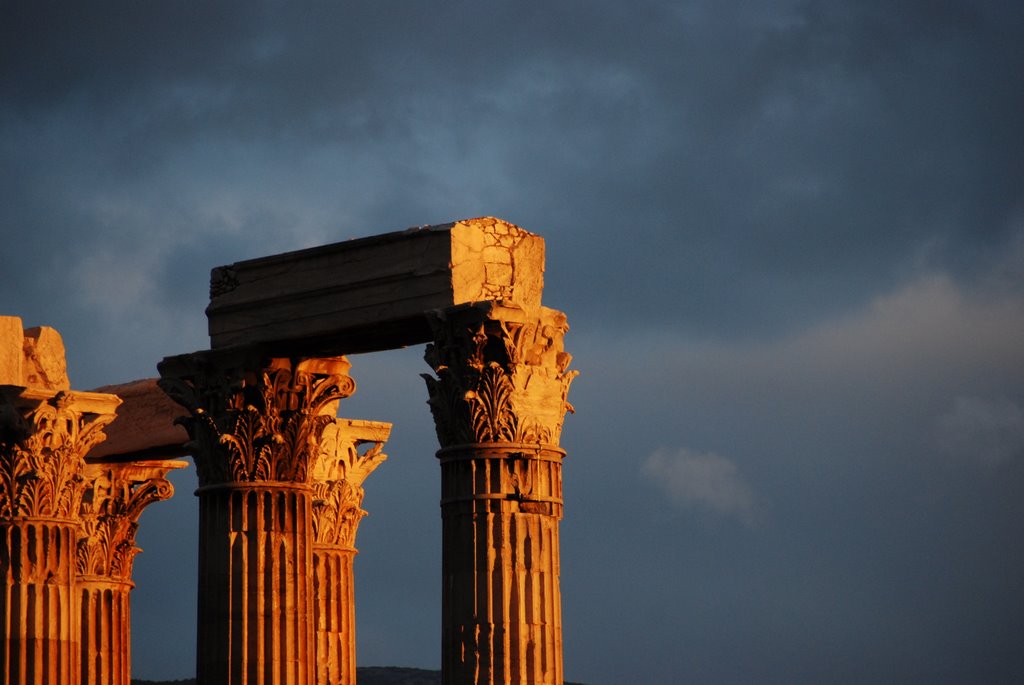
(371, 293)
(31, 357)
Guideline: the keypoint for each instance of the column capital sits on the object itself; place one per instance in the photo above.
(502, 374)
(116, 493)
(44, 436)
(254, 418)
(349, 451)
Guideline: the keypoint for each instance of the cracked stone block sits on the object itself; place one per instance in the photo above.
(372, 293)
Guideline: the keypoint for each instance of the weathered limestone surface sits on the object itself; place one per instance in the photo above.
(349, 451)
(38, 604)
(256, 426)
(281, 477)
(371, 293)
(45, 365)
(116, 494)
(67, 523)
(12, 338)
(105, 619)
(498, 401)
(32, 357)
(43, 438)
(45, 431)
(145, 427)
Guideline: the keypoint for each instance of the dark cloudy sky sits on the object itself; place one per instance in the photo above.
(789, 237)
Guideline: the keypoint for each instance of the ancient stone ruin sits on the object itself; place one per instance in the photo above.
(281, 476)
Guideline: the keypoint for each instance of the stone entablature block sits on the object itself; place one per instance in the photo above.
(370, 293)
(281, 477)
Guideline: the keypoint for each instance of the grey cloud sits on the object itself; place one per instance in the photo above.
(704, 481)
(642, 124)
(835, 427)
(985, 431)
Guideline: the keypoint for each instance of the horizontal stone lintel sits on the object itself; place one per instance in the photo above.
(371, 293)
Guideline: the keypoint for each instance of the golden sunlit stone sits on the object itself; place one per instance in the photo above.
(370, 293)
(473, 289)
(67, 522)
(32, 357)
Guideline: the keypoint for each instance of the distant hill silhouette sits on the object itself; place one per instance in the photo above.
(366, 675)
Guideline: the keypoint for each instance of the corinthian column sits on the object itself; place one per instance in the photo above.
(350, 451)
(255, 426)
(498, 402)
(44, 435)
(116, 494)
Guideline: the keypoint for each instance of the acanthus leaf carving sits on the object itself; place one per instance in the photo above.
(491, 410)
(115, 497)
(255, 422)
(501, 375)
(43, 442)
(349, 451)
(336, 512)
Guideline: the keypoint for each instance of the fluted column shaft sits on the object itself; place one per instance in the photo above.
(44, 435)
(501, 620)
(105, 612)
(38, 603)
(256, 425)
(116, 493)
(349, 451)
(334, 586)
(498, 402)
(255, 584)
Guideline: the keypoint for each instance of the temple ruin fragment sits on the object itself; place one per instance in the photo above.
(67, 519)
(281, 476)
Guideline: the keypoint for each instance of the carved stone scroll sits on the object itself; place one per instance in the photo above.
(499, 401)
(67, 525)
(115, 497)
(44, 436)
